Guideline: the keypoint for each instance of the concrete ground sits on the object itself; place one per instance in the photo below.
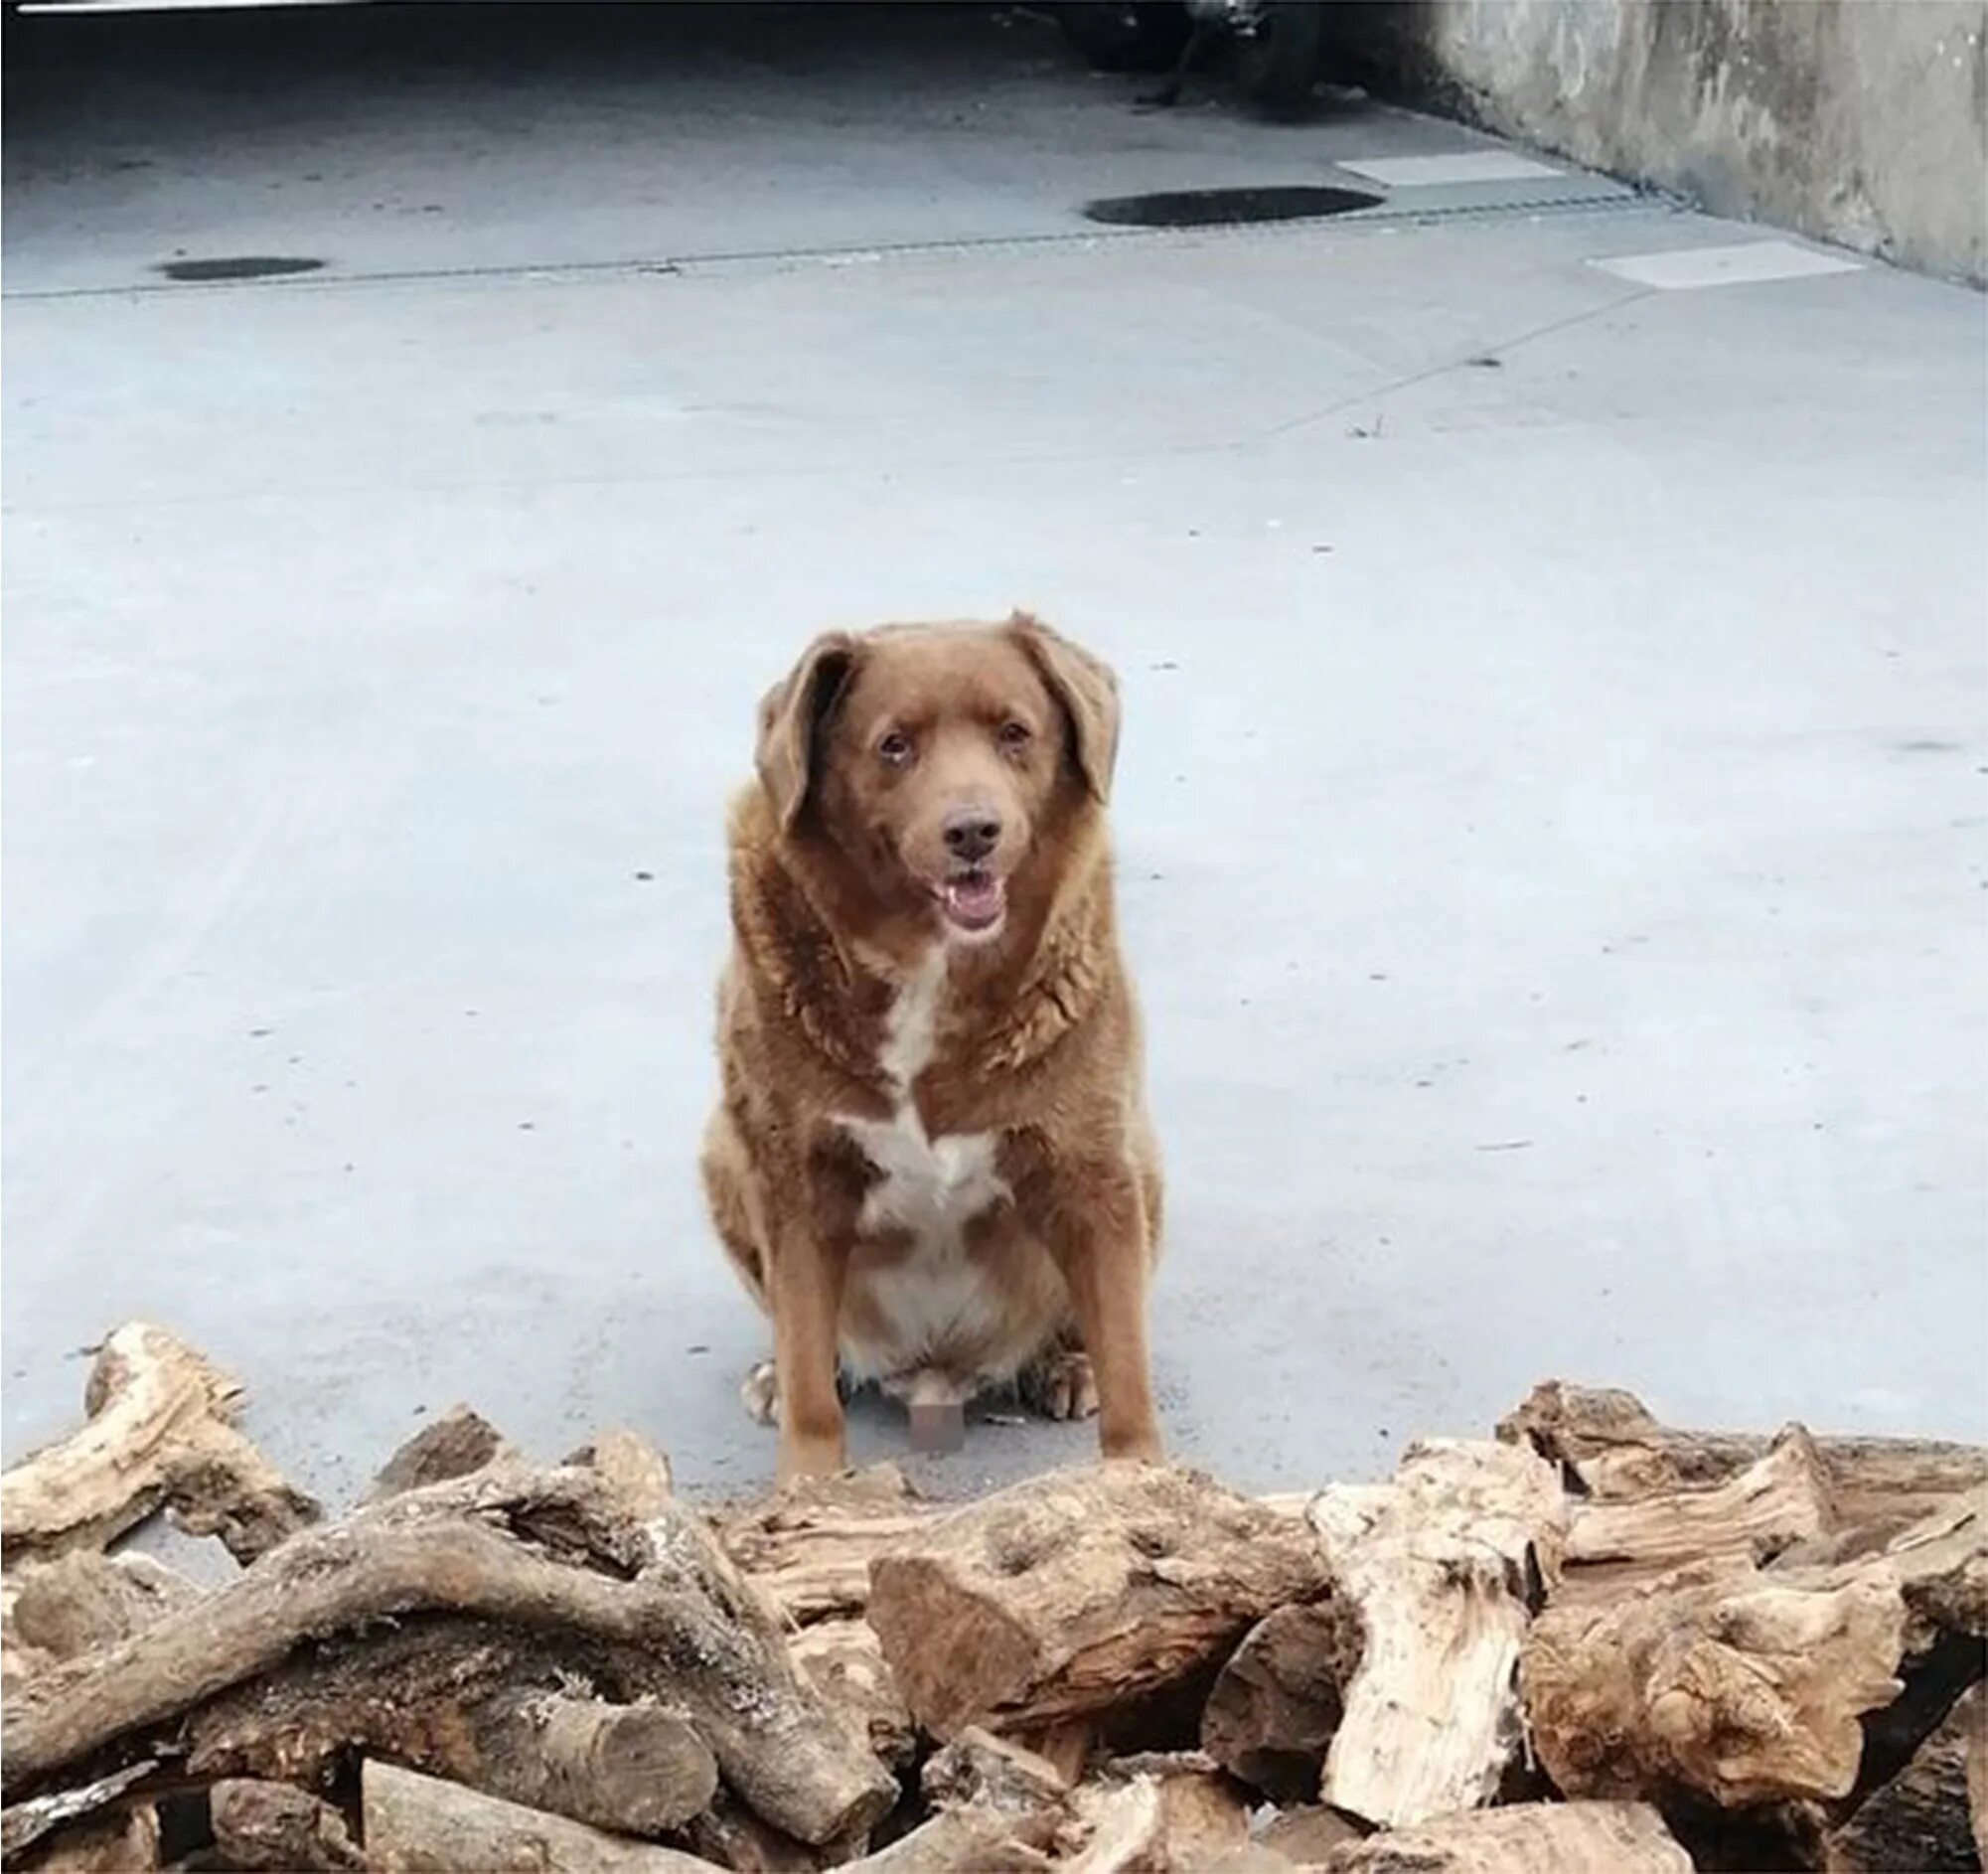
(1552, 795)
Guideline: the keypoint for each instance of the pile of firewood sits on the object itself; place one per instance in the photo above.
(1591, 1642)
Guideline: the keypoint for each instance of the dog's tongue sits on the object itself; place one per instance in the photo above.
(975, 901)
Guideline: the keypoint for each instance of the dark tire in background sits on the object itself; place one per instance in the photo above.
(1277, 65)
(1131, 35)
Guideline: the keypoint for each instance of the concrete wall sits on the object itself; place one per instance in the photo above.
(1859, 121)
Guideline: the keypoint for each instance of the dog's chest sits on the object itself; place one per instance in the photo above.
(930, 1187)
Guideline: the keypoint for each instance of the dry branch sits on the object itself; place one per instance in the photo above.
(458, 1444)
(1079, 1591)
(1443, 1566)
(1616, 1449)
(159, 1432)
(659, 1599)
(1781, 1499)
(417, 1824)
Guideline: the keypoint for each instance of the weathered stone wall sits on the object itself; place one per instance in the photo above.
(1860, 122)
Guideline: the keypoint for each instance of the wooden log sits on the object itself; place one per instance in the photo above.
(1781, 1499)
(1077, 1591)
(844, 1662)
(1922, 1818)
(658, 1600)
(1608, 1440)
(53, 1610)
(1442, 1567)
(159, 1432)
(272, 1826)
(1183, 1817)
(416, 1824)
(1745, 1689)
(1311, 1832)
(1524, 1838)
(458, 1444)
(1204, 1814)
(1279, 1699)
(809, 1547)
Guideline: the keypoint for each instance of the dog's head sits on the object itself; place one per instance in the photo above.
(934, 757)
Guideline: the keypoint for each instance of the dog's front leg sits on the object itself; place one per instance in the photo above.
(1092, 1219)
(805, 1287)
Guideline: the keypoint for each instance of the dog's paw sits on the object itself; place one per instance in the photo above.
(760, 1393)
(1061, 1385)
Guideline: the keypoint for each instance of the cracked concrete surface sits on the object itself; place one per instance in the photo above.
(1552, 795)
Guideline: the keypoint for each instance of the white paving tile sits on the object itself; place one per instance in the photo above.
(1428, 172)
(1683, 268)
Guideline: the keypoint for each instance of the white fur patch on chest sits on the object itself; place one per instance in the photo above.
(930, 1187)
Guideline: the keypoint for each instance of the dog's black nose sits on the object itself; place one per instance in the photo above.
(972, 834)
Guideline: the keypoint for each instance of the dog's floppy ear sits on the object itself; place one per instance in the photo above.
(791, 715)
(1088, 692)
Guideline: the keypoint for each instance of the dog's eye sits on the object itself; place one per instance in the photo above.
(894, 749)
(1016, 734)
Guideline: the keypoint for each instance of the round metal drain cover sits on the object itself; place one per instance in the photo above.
(241, 267)
(1219, 208)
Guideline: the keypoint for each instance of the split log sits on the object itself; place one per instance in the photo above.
(1203, 1814)
(844, 1662)
(1616, 1449)
(1746, 1689)
(1922, 1818)
(53, 1610)
(1443, 1567)
(458, 1444)
(159, 1432)
(658, 1600)
(809, 1547)
(1075, 1591)
(1278, 1701)
(416, 1825)
(1525, 1839)
(25, 1824)
(1781, 1499)
(272, 1825)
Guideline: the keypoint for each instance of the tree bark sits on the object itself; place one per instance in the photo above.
(159, 1432)
(844, 1662)
(808, 1547)
(1079, 1591)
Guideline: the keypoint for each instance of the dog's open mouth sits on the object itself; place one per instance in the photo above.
(973, 900)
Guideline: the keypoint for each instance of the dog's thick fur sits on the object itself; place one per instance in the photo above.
(930, 1158)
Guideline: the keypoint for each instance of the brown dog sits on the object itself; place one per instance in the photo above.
(931, 1154)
